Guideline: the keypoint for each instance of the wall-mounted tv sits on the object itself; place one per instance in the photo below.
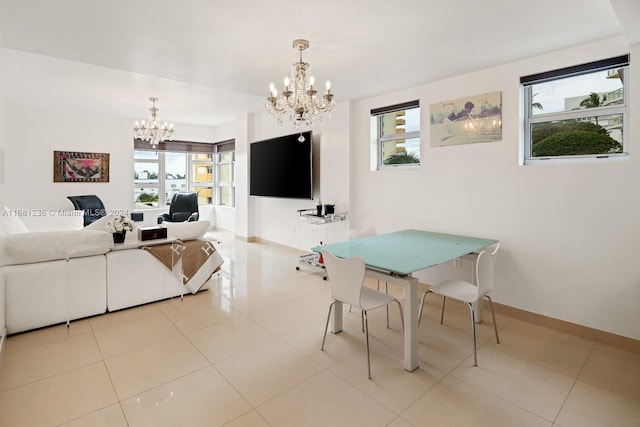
(282, 167)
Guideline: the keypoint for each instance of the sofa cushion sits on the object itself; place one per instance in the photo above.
(187, 230)
(26, 248)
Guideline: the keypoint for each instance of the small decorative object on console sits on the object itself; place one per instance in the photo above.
(119, 236)
(152, 233)
(119, 225)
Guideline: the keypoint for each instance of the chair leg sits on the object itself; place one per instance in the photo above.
(326, 326)
(401, 313)
(362, 319)
(366, 332)
(421, 307)
(442, 314)
(493, 316)
(473, 329)
(386, 291)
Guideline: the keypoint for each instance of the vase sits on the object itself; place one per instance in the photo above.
(118, 236)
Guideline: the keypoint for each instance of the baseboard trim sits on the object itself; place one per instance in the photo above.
(603, 337)
(279, 245)
(244, 238)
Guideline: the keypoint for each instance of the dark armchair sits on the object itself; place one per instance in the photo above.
(184, 207)
(91, 205)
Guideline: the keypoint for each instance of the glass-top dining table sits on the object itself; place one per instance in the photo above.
(394, 258)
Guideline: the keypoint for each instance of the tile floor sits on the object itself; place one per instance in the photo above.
(247, 353)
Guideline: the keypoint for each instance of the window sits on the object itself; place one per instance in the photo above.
(146, 185)
(202, 177)
(578, 112)
(396, 132)
(178, 166)
(225, 181)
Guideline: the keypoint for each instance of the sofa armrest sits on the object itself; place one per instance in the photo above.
(189, 230)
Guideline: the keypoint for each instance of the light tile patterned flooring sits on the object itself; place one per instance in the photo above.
(247, 353)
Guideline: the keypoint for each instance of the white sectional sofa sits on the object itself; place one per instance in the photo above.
(135, 276)
(73, 272)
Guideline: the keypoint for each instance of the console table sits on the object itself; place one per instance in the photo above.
(134, 242)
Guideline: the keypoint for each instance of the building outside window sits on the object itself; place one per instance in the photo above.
(395, 131)
(576, 113)
(178, 166)
(202, 181)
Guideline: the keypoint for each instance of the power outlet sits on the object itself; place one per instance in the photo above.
(457, 263)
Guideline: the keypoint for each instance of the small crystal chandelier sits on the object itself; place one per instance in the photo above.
(298, 101)
(152, 131)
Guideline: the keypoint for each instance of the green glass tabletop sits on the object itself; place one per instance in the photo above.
(407, 251)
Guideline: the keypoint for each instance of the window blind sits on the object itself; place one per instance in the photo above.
(186, 146)
(576, 70)
(396, 107)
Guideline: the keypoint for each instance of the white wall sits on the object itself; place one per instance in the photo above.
(225, 217)
(568, 233)
(33, 133)
(276, 219)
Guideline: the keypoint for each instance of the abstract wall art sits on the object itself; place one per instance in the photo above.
(73, 166)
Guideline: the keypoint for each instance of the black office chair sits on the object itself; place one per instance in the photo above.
(183, 208)
(91, 205)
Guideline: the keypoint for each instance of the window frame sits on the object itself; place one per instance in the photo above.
(157, 185)
(378, 139)
(219, 184)
(189, 149)
(526, 85)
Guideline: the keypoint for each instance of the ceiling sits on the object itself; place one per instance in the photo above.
(209, 60)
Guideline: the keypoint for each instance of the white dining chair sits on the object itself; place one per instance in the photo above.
(347, 286)
(469, 293)
(371, 231)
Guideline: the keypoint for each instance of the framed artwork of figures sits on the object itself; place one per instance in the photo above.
(467, 120)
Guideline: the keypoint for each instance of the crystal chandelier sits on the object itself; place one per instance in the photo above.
(298, 102)
(152, 131)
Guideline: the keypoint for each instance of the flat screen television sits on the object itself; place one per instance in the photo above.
(282, 167)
